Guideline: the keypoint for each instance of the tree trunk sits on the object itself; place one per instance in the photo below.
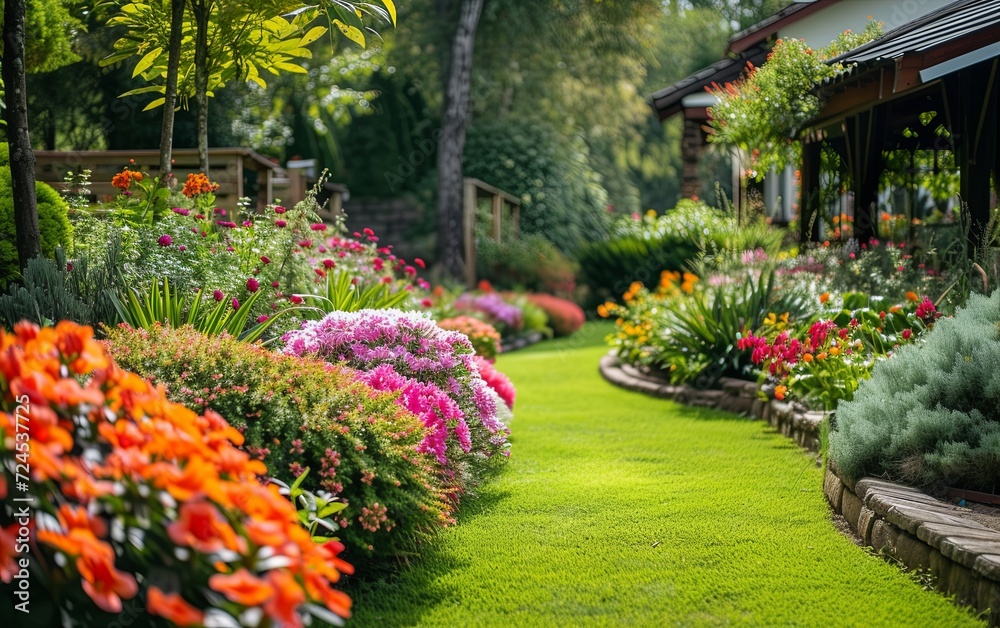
(452, 144)
(22, 159)
(202, 10)
(170, 95)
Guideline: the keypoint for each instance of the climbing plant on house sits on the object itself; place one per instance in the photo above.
(762, 113)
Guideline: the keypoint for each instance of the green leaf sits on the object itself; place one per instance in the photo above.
(154, 104)
(147, 61)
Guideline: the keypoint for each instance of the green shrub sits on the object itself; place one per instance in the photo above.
(297, 413)
(930, 415)
(531, 264)
(561, 195)
(53, 221)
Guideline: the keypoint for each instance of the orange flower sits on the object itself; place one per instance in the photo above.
(123, 180)
(780, 391)
(807, 357)
(823, 298)
(201, 527)
(821, 355)
(242, 587)
(895, 309)
(485, 286)
(103, 583)
(198, 184)
(288, 595)
(911, 296)
(173, 608)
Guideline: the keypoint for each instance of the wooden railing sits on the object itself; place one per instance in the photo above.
(475, 190)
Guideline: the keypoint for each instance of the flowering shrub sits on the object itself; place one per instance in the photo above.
(484, 337)
(137, 498)
(416, 348)
(296, 414)
(565, 317)
(929, 416)
(496, 380)
(502, 315)
(823, 361)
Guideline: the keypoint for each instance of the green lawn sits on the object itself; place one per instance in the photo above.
(617, 508)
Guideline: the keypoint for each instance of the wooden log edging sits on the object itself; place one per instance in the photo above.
(736, 395)
(923, 533)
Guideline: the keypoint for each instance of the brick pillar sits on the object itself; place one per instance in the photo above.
(692, 147)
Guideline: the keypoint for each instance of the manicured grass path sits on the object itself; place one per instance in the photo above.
(620, 509)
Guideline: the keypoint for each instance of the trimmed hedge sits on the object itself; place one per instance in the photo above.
(297, 413)
(930, 415)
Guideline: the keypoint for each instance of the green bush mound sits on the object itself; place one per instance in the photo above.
(930, 416)
(53, 221)
(531, 263)
(297, 413)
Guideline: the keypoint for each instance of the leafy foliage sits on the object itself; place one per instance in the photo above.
(53, 222)
(295, 414)
(928, 416)
(561, 195)
(531, 263)
(762, 113)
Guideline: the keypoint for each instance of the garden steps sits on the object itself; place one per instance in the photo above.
(923, 533)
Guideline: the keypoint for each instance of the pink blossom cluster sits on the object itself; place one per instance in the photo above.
(496, 380)
(417, 349)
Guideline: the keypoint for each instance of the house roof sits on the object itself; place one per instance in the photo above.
(947, 24)
(760, 31)
(667, 101)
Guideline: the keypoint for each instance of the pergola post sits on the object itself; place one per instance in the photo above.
(977, 151)
(809, 196)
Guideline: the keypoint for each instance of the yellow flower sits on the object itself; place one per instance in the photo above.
(770, 319)
(834, 350)
(784, 318)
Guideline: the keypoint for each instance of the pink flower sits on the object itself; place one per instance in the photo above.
(181, 211)
(419, 262)
(907, 334)
(247, 223)
(265, 259)
(369, 232)
(296, 299)
(279, 210)
(305, 243)
(252, 284)
(235, 303)
(329, 263)
(219, 211)
(280, 224)
(262, 318)
(275, 284)
(317, 226)
(226, 223)
(218, 296)
(165, 240)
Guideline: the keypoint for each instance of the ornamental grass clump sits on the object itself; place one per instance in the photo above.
(930, 416)
(416, 349)
(141, 506)
(295, 414)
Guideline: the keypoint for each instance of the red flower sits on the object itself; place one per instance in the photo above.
(328, 263)
(252, 284)
(265, 259)
(296, 299)
(317, 226)
(280, 224)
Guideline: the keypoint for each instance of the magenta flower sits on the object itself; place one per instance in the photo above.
(329, 263)
(419, 262)
(218, 296)
(235, 303)
(317, 226)
(182, 248)
(247, 223)
(226, 223)
(252, 284)
(262, 318)
(280, 224)
(265, 259)
(275, 284)
(279, 210)
(165, 240)
(219, 211)
(181, 211)
(305, 243)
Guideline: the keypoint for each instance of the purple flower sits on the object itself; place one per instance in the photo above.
(165, 240)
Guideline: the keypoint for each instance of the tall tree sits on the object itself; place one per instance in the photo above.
(454, 124)
(177, 8)
(22, 158)
(202, 10)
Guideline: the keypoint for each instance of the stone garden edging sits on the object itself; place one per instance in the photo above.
(903, 523)
(923, 533)
(737, 395)
(522, 342)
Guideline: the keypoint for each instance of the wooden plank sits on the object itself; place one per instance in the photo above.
(469, 231)
(497, 211)
(488, 190)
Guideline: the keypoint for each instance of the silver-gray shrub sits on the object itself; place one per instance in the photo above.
(930, 415)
